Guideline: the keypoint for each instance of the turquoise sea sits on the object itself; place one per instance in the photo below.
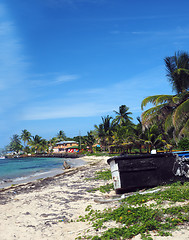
(19, 170)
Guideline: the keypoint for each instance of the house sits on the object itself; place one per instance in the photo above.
(66, 146)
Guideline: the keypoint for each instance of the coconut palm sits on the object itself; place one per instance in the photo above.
(100, 134)
(52, 142)
(15, 144)
(105, 131)
(171, 111)
(36, 143)
(123, 117)
(90, 140)
(138, 135)
(61, 135)
(177, 67)
(109, 127)
(43, 145)
(25, 136)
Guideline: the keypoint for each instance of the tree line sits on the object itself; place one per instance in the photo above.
(163, 126)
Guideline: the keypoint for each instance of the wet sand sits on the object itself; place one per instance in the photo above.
(41, 209)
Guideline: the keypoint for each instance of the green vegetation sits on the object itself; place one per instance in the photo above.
(104, 189)
(15, 144)
(140, 214)
(183, 144)
(164, 126)
(171, 112)
(102, 175)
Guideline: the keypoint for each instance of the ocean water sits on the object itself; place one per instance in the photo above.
(19, 170)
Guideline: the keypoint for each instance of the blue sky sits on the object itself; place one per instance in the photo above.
(66, 63)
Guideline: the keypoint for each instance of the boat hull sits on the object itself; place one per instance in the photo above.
(132, 172)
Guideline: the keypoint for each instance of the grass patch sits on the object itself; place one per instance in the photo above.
(134, 216)
(104, 189)
(101, 175)
(175, 192)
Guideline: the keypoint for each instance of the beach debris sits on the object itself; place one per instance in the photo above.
(180, 167)
(27, 213)
(62, 220)
(66, 165)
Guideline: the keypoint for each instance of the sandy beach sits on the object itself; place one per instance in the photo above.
(44, 208)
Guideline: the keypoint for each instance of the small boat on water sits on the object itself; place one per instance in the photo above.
(2, 157)
(133, 172)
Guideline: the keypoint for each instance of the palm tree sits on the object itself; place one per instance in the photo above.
(153, 138)
(105, 131)
(171, 111)
(138, 135)
(36, 142)
(15, 144)
(25, 136)
(52, 142)
(90, 140)
(109, 127)
(43, 145)
(100, 134)
(123, 117)
(61, 136)
(177, 67)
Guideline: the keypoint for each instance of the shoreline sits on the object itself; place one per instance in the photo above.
(89, 162)
(49, 208)
(47, 155)
(73, 162)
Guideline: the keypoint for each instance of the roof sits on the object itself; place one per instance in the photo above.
(63, 142)
(73, 147)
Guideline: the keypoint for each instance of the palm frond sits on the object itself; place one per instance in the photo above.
(152, 111)
(170, 67)
(156, 100)
(185, 130)
(168, 122)
(177, 68)
(176, 99)
(150, 99)
(181, 114)
(164, 99)
(150, 116)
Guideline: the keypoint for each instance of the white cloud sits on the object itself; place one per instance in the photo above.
(11, 60)
(100, 101)
(50, 79)
(66, 78)
(177, 32)
(12, 71)
(65, 111)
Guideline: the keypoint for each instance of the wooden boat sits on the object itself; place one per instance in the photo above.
(182, 153)
(132, 172)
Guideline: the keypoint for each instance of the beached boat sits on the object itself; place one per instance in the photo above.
(132, 172)
(182, 153)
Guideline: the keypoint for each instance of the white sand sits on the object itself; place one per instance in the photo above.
(41, 210)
